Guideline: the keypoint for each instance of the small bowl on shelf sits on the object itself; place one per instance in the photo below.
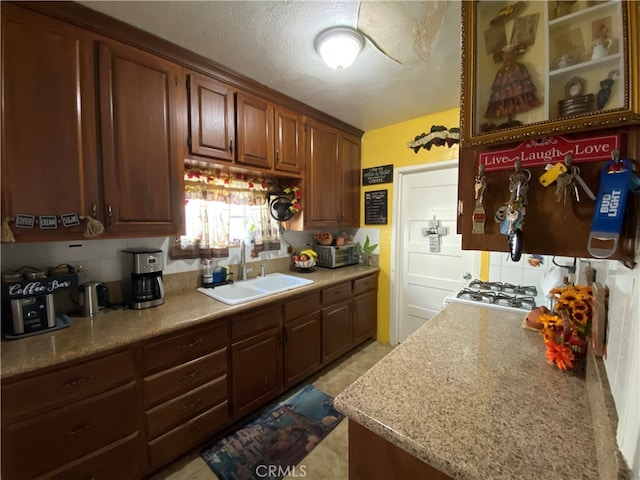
(323, 238)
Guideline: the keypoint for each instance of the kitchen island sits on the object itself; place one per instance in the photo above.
(470, 396)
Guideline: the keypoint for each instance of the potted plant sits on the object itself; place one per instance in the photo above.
(364, 251)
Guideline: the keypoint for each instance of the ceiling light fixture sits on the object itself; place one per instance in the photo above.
(339, 46)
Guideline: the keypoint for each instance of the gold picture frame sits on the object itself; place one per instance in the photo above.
(558, 47)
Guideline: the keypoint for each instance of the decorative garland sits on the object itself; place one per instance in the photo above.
(296, 205)
(438, 136)
(219, 178)
(49, 222)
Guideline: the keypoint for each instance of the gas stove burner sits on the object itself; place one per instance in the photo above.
(477, 296)
(520, 290)
(481, 285)
(514, 301)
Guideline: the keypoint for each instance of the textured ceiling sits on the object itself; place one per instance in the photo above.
(272, 42)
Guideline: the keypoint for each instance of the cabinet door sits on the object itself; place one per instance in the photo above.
(143, 184)
(49, 162)
(256, 365)
(365, 311)
(323, 178)
(289, 141)
(349, 215)
(255, 131)
(302, 348)
(336, 330)
(212, 130)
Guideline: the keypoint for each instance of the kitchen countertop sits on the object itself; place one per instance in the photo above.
(471, 394)
(119, 328)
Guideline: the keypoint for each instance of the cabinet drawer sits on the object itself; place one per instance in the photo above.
(184, 347)
(252, 323)
(120, 459)
(165, 385)
(363, 284)
(337, 293)
(182, 439)
(70, 432)
(174, 412)
(302, 306)
(64, 386)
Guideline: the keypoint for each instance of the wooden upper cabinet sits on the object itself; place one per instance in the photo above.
(255, 131)
(49, 162)
(322, 175)
(289, 141)
(349, 157)
(139, 97)
(332, 180)
(212, 130)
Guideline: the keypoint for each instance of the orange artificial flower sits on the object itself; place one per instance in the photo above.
(560, 354)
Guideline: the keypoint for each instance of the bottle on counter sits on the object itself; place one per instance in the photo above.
(207, 272)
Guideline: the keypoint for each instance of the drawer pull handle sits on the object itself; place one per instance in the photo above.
(75, 383)
(191, 375)
(83, 428)
(191, 405)
(190, 344)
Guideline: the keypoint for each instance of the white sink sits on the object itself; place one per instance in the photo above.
(247, 290)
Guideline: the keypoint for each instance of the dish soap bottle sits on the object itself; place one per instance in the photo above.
(207, 273)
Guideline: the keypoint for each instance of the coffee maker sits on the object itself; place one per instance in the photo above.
(28, 301)
(142, 277)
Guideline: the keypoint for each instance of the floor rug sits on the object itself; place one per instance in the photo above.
(271, 444)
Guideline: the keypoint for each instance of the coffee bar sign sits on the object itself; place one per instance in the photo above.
(536, 153)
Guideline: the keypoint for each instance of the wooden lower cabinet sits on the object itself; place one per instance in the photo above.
(365, 316)
(302, 348)
(71, 432)
(120, 459)
(257, 371)
(189, 434)
(185, 392)
(336, 330)
(372, 457)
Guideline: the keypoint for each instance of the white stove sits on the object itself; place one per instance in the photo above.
(499, 296)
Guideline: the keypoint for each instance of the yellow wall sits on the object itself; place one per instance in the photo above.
(386, 146)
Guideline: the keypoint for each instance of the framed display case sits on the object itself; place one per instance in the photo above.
(532, 69)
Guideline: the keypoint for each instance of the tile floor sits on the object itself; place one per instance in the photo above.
(329, 460)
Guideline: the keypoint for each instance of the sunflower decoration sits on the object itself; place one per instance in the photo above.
(566, 329)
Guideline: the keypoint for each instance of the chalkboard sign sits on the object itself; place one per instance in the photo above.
(376, 175)
(375, 207)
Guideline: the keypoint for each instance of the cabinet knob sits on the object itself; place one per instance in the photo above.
(94, 210)
(230, 146)
(109, 214)
(277, 155)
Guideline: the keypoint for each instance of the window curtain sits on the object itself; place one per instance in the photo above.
(209, 200)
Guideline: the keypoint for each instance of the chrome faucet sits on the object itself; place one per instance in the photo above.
(243, 260)
(263, 270)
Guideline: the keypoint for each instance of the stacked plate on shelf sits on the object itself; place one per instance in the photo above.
(575, 105)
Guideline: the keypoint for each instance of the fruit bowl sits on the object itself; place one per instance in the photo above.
(305, 264)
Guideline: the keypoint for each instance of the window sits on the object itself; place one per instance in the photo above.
(222, 211)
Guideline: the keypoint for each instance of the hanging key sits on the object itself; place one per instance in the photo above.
(561, 184)
(512, 217)
(579, 181)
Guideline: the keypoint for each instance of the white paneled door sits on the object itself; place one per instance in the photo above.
(423, 278)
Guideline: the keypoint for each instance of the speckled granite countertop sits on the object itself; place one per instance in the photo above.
(118, 328)
(471, 394)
